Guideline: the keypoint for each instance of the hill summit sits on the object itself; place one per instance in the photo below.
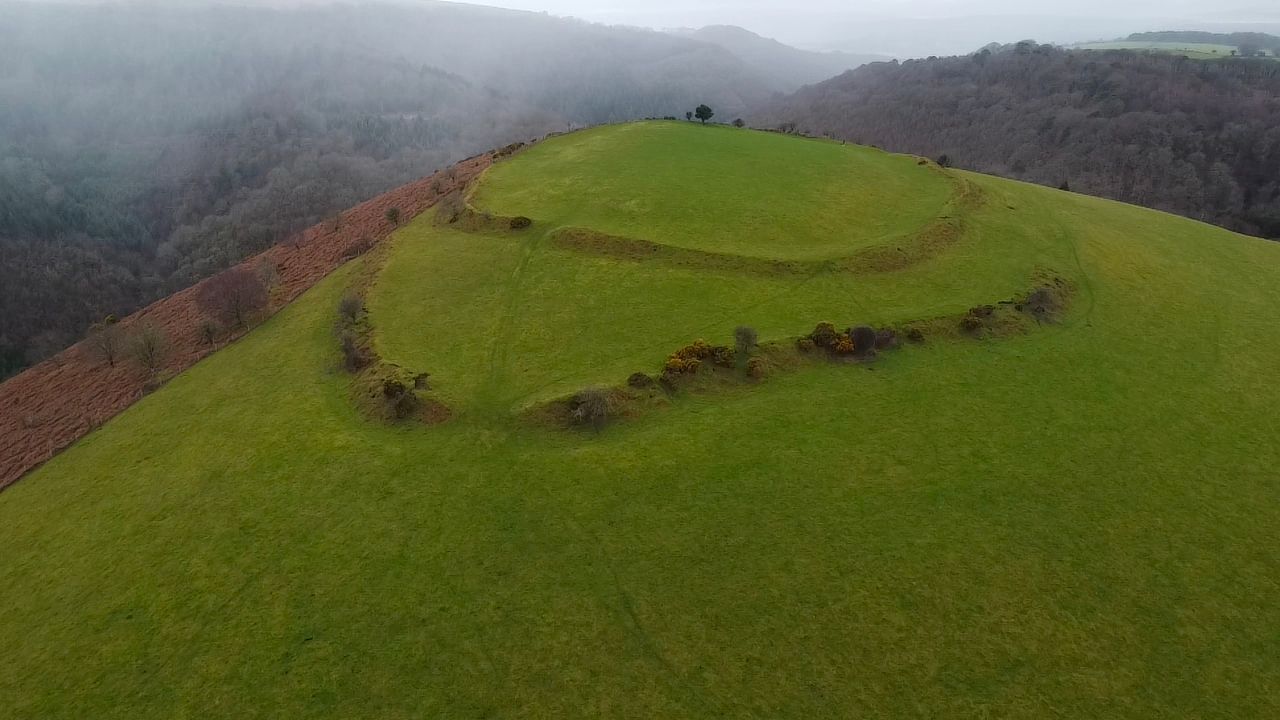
(670, 420)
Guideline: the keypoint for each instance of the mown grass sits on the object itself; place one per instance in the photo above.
(1079, 522)
(719, 189)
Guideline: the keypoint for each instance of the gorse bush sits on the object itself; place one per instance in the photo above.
(723, 356)
(824, 335)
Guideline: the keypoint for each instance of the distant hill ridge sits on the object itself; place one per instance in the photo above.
(786, 68)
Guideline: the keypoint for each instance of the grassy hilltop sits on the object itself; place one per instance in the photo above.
(1074, 520)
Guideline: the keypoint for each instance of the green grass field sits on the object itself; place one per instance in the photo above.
(1083, 521)
(1196, 51)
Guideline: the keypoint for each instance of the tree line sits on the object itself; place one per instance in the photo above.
(1200, 138)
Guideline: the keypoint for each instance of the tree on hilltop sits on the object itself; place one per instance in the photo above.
(703, 113)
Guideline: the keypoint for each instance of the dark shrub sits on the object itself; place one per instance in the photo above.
(422, 381)
(723, 356)
(805, 344)
(393, 215)
(915, 335)
(639, 380)
(392, 388)
(350, 307)
(1042, 303)
(886, 339)
(591, 407)
(405, 405)
(970, 324)
(209, 331)
(757, 367)
(824, 335)
(982, 311)
(520, 222)
(864, 339)
(353, 357)
(403, 401)
(738, 123)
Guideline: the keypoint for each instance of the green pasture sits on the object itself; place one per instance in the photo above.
(1079, 522)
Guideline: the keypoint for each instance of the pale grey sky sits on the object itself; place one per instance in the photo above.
(912, 27)
(904, 28)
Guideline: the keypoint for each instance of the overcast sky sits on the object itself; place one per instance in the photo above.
(902, 28)
(910, 27)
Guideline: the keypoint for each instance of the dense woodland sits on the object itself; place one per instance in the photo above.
(145, 147)
(1197, 138)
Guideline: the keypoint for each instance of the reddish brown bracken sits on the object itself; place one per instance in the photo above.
(51, 405)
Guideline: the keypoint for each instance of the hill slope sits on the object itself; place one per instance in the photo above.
(1076, 518)
(785, 68)
(143, 147)
(1184, 136)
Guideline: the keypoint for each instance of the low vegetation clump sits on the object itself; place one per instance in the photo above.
(592, 407)
(401, 398)
(350, 308)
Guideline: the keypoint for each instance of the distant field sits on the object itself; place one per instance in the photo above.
(1200, 51)
(1080, 522)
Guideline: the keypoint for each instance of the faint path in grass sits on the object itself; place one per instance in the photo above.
(489, 395)
(619, 600)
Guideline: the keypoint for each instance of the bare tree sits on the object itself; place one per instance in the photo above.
(234, 295)
(149, 348)
(106, 341)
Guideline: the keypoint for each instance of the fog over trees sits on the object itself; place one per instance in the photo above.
(1197, 138)
(143, 147)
